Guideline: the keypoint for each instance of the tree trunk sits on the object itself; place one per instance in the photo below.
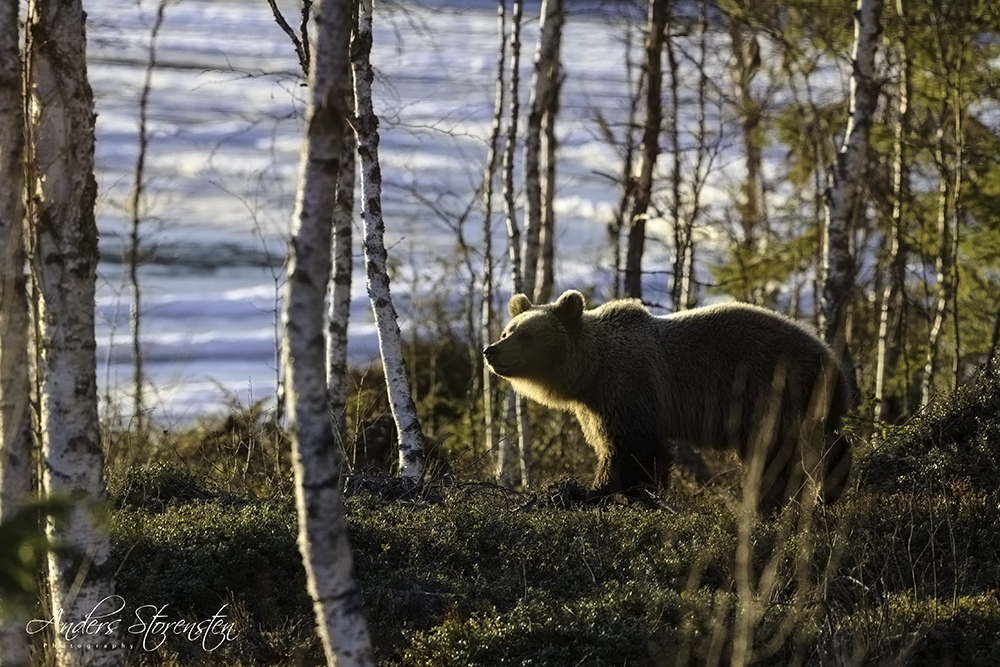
(64, 262)
(541, 113)
(340, 284)
(546, 259)
(685, 293)
(680, 285)
(135, 205)
(890, 314)
(323, 538)
(629, 146)
(509, 465)
(944, 262)
(486, 304)
(15, 388)
(650, 147)
(366, 127)
(745, 64)
(842, 195)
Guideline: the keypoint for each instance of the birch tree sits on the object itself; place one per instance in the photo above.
(63, 255)
(628, 145)
(15, 434)
(744, 66)
(538, 180)
(890, 314)
(339, 291)
(950, 50)
(404, 411)
(642, 189)
(135, 207)
(842, 195)
(323, 538)
(486, 303)
(514, 461)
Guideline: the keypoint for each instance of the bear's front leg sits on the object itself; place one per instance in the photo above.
(631, 456)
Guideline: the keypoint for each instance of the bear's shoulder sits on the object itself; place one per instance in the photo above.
(619, 310)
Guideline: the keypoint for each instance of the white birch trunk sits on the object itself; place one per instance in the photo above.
(15, 433)
(842, 195)
(513, 456)
(135, 204)
(944, 266)
(650, 148)
(542, 102)
(323, 538)
(547, 243)
(889, 313)
(404, 411)
(745, 63)
(60, 149)
(486, 304)
(340, 286)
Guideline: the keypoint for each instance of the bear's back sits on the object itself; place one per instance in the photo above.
(732, 359)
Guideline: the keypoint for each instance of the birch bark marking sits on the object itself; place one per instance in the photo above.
(60, 150)
(486, 304)
(842, 195)
(323, 538)
(136, 203)
(340, 284)
(15, 433)
(517, 410)
(650, 148)
(543, 92)
(890, 312)
(15, 473)
(404, 412)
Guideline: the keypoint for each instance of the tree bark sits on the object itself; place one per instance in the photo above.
(842, 195)
(547, 249)
(366, 127)
(745, 64)
(323, 538)
(628, 146)
(890, 314)
(64, 257)
(486, 305)
(649, 149)
(340, 284)
(541, 117)
(944, 262)
(680, 288)
(511, 462)
(15, 388)
(685, 288)
(136, 202)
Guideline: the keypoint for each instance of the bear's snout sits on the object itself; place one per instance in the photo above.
(492, 356)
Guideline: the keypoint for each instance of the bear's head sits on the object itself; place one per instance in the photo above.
(537, 340)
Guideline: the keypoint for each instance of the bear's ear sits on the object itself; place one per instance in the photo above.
(569, 307)
(518, 304)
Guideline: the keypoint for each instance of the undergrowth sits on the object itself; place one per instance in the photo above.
(905, 571)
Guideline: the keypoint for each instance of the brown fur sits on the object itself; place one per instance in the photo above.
(733, 376)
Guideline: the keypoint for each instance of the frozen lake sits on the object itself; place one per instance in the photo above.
(225, 132)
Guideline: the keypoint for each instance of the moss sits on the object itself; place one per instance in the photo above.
(904, 571)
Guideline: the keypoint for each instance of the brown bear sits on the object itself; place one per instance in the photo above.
(731, 376)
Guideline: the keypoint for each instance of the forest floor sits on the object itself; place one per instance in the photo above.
(904, 571)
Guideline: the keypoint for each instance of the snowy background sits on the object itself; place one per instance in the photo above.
(225, 133)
